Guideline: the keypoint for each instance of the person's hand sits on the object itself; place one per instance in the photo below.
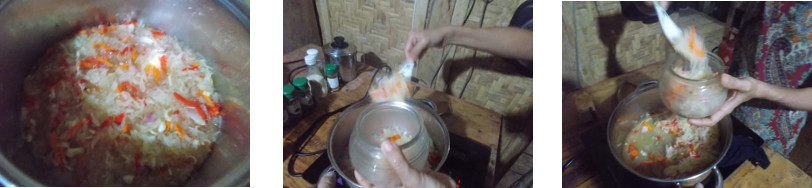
(409, 176)
(419, 41)
(663, 4)
(743, 89)
(328, 180)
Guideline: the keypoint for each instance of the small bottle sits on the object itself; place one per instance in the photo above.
(304, 95)
(332, 76)
(291, 102)
(314, 73)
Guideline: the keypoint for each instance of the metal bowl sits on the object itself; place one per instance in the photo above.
(219, 30)
(338, 139)
(646, 99)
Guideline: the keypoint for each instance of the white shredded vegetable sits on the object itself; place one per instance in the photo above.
(98, 104)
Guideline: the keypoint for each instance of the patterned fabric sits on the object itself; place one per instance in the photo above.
(782, 56)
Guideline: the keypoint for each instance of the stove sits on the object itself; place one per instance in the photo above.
(467, 163)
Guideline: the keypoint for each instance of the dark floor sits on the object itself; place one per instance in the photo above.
(801, 155)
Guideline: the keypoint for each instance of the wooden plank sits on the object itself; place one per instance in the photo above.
(324, 20)
(803, 149)
(419, 16)
(301, 26)
(780, 173)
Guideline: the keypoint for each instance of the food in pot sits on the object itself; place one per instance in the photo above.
(121, 105)
(666, 146)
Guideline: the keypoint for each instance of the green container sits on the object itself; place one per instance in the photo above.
(301, 83)
(288, 91)
(330, 69)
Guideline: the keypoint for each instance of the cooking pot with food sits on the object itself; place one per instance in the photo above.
(646, 100)
(218, 30)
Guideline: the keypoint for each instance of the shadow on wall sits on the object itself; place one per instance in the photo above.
(610, 28)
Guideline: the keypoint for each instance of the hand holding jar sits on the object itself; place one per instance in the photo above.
(410, 177)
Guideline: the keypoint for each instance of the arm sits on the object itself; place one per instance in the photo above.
(748, 88)
(507, 42)
(798, 99)
(510, 42)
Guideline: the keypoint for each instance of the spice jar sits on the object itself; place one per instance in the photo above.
(396, 121)
(294, 109)
(332, 76)
(303, 92)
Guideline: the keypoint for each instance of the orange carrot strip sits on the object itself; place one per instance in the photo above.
(192, 104)
(647, 125)
(180, 131)
(163, 63)
(158, 33)
(119, 118)
(73, 130)
(167, 126)
(126, 128)
(156, 73)
(394, 138)
(135, 53)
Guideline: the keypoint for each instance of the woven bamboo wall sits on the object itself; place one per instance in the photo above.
(606, 44)
(382, 27)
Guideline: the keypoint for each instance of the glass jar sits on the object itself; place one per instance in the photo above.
(374, 125)
(291, 102)
(304, 95)
(692, 98)
(332, 77)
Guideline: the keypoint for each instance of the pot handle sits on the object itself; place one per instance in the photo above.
(720, 182)
(719, 179)
(428, 103)
(645, 84)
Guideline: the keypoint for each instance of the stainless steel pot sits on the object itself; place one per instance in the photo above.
(644, 99)
(339, 137)
(342, 54)
(219, 30)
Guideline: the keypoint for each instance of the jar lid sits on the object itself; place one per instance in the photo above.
(310, 59)
(301, 83)
(288, 91)
(330, 69)
(312, 51)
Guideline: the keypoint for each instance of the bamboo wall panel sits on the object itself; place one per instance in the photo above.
(606, 44)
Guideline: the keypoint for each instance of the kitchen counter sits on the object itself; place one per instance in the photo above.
(463, 118)
(587, 110)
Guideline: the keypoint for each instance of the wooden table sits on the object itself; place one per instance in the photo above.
(464, 119)
(589, 108)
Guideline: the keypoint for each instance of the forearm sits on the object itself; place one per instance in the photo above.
(798, 99)
(510, 42)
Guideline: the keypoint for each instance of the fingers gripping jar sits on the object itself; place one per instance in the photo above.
(396, 121)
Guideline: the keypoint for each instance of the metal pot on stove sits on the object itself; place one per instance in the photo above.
(645, 99)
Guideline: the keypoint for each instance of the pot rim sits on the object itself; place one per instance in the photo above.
(646, 87)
